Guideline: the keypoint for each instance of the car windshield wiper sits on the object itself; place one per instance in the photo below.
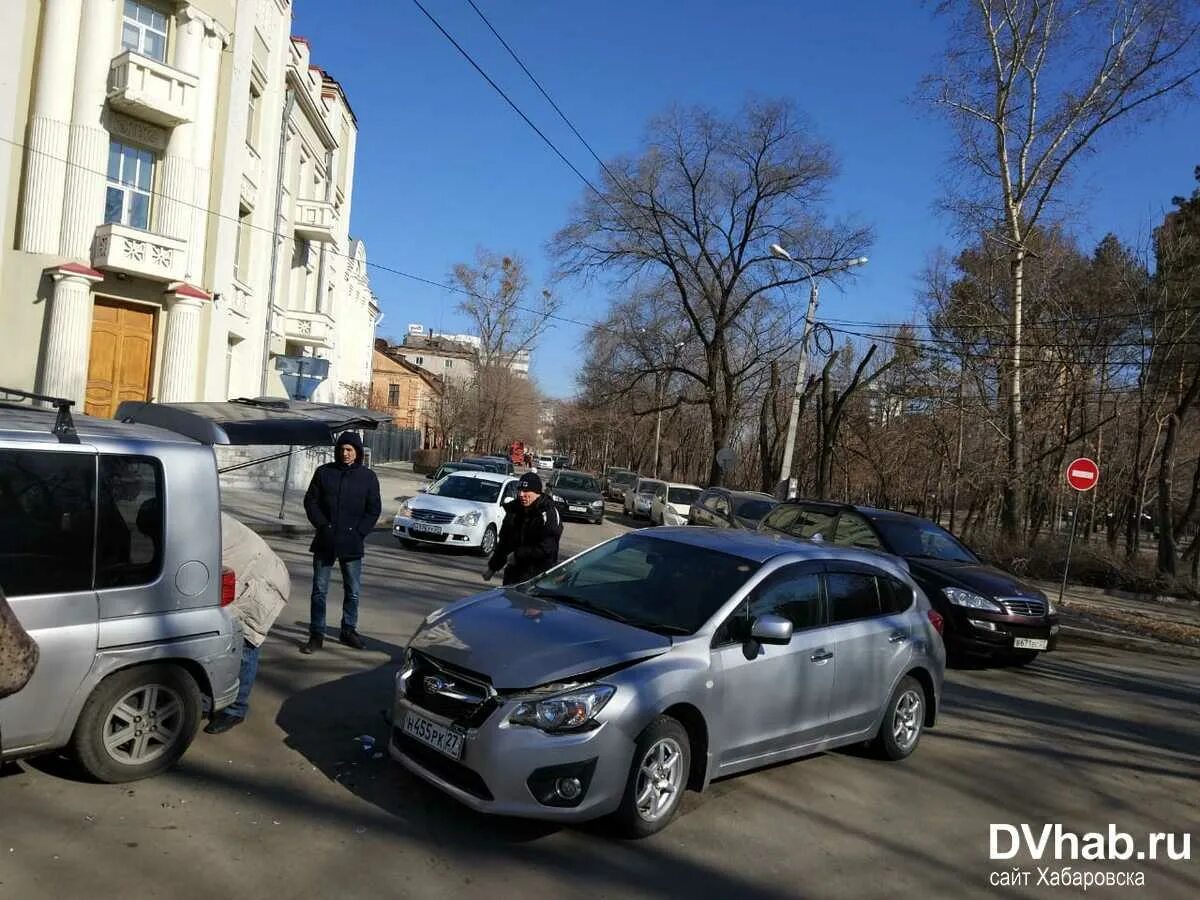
(605, 612)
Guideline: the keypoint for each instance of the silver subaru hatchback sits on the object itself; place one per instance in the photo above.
(659, 661)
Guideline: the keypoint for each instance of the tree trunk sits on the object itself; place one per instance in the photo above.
(1013, 509)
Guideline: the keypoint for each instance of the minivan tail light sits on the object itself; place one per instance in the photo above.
(228, 586)
(937, 620)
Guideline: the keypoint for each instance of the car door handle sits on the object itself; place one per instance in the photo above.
(898, 637)
(821, 656)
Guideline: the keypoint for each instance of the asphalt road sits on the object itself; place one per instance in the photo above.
(291, 805)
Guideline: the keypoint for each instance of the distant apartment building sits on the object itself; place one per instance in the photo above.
(452, 355)
(177, 217)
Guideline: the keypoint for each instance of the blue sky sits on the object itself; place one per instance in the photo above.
(444, 165)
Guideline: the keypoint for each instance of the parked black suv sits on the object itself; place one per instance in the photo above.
(988, 612)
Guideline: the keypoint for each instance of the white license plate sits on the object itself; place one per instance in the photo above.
(1029, 644)
(443, 740)
(430, 529)
(582, 509)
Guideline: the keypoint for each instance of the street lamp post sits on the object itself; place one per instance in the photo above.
(802, 362)
(661, 396)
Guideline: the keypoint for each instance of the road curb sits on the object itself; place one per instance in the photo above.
(1074, 634)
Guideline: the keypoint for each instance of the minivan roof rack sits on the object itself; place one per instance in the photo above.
(64, 425)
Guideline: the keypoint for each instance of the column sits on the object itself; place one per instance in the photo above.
(46, 150)
(64, 364)
(87, 154)
(202, 148)
(178, 170)
(181, 348)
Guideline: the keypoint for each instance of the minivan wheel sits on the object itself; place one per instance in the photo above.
(488, 544)
(137, 723)
(658, 776)
(902, 721)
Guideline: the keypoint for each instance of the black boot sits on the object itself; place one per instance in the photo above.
(222, 722)
(315, 643)
(350, 638)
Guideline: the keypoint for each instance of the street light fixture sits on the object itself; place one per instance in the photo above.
(802, 364)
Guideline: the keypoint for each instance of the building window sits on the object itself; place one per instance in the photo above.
(252, 118)
(420, 360)
(393, 395)
(241, 255)
(449, 364)
(130, 180)
(144, 31)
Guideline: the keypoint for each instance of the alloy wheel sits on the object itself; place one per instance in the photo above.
(144, 724)
(659, 779)
(906, 721)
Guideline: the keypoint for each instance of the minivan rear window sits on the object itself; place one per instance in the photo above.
(130, 541)
(47, 521)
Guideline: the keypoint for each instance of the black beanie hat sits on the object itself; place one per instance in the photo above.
(530, 482)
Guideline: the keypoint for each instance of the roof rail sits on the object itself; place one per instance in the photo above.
(64, 425)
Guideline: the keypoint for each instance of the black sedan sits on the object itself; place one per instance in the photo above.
(577, 495)
(988, 612)
(723, 508)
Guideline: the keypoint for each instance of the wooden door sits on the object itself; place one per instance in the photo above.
(121, 353)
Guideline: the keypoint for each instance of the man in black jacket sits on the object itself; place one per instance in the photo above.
(528, 543)
(343, 504)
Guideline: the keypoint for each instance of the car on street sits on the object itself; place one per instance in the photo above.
(464, 509)
(988, 612)
(640, 496)
(544, 461)
(577, 495)
(110, 556)
(724, 508)
(672, 503)
(446, 468)
(617, 483)
(489, 464)
(658, 661)
(504, 464)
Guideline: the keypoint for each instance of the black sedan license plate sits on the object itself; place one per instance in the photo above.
(444, 740)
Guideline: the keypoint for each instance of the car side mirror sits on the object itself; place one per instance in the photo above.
(771, 629)
(422, 489)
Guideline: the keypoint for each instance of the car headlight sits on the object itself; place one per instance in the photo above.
(564, 712)
(557, 499)
(1051, 609)
(970, 600)
(404, 510)
(596, 504)
(471, 518)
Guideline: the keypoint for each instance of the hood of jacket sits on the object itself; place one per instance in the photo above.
(349, 437)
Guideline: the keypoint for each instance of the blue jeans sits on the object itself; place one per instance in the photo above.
(351, 584)
(249, 672)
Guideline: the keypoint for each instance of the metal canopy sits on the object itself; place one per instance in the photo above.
(263, 421)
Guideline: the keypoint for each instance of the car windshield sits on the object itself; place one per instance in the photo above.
(624, 478)
(456, 487)
(682, 496)
(915, 538)
(577, 483)
(664, 586)
(753, 509)
(647, 486)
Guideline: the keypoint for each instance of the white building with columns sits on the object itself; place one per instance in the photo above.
(174, 204)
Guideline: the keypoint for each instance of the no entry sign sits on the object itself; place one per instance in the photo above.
(1083, 473)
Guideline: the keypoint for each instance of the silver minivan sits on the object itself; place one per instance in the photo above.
(110, 556)
(658, 661)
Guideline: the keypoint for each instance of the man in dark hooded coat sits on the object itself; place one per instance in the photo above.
(343, 504)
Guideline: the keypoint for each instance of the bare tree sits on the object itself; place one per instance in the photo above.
(693, 214)
(1028, 85)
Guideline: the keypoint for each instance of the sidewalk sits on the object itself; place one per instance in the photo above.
(1153, 624)
(259, 510)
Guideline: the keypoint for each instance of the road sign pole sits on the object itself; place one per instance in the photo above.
(1070, 544)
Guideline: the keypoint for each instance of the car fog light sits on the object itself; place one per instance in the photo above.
(568, 788)
(1053, 630)
(984, 625)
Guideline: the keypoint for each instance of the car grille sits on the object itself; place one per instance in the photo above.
(443, 767)
(470, 713)
(432, 515)
(1023, 606)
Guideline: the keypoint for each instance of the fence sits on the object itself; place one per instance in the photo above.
(388, 443)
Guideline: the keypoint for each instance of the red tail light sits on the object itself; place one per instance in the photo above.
(228, 586)
(936, 620)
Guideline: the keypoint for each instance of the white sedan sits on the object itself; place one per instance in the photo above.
(672, 503)
(464, 509)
